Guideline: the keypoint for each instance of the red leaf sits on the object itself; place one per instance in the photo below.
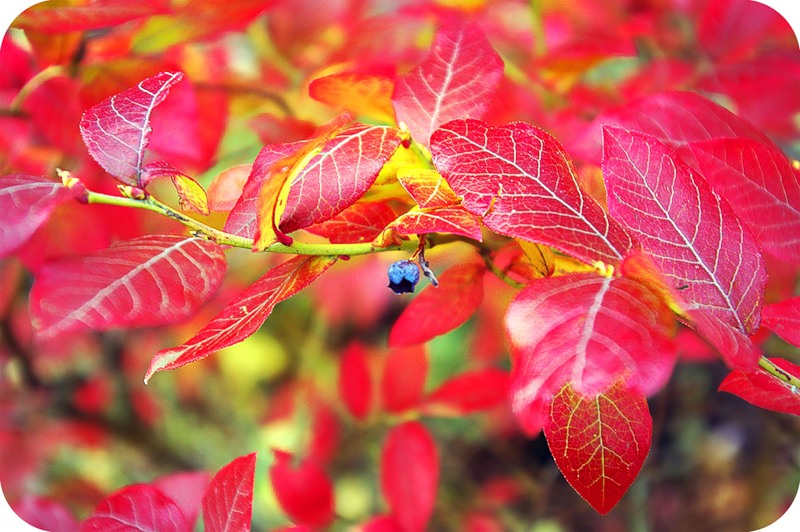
(403, 380)
(521, 182)
(56, 18)
(186, 489)
(117, 131)
(45, 514)
(456, 80)
(304, 492)
(784, 319)
(228, 500)
(764, 390)
(599, 442)
(587, 331)
(437, 310)
(137, 507)
(468, 393)
(361, 222)
(692, 234)
(25, 205)
(761, 186)
(410, 475)
(244, 315)
(355, 382)
(151, 280)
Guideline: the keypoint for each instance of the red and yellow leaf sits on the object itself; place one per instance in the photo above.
(590, 332)
(191, 195)
(453, 220)
(361, 222)
(692, 234)
(117, 130)
(763, 390)
(245, 314)
(151, 280)
(226, 187)
(427, 187)
(456, 80)
(367, 95)
(410, 475)
(599, 441)
(438, 310)
(522, 183)
(761, 186)
(322, 179)
(228, 500)
(26, 203)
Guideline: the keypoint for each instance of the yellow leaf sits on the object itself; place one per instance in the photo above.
(191, 195)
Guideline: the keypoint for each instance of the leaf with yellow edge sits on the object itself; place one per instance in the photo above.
(274, 193)
(366, 95)
(599, 442)
(191, 195)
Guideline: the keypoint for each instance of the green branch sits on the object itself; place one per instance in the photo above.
(202, 230)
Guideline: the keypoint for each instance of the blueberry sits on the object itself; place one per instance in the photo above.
(403, 276)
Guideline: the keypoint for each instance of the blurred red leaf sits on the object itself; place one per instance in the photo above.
(54, 18)
(226, 187)
(468, 393)
(587, 331)
(762, 188)
(245, 314)
(26, 202)
(117, 131)
(355, 381)
(228, 500)
(137, 507)
(599, 442)
(691, 233)
(410, 475)
(440, 309)
(784, 319)
(729, 31)
(45, 514)
(186, 489)
(367, 95)
(361, 222)
(522, 183)
(403, 379)
(303, 491)
(151, 280)
(763, 390)
(456, 80)
(676, 118)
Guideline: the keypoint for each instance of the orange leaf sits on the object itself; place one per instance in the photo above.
(365, 95)
(599, 442)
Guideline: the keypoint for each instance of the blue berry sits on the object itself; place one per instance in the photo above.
(403, 276)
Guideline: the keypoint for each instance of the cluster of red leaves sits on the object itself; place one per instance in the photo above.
(695, 204)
